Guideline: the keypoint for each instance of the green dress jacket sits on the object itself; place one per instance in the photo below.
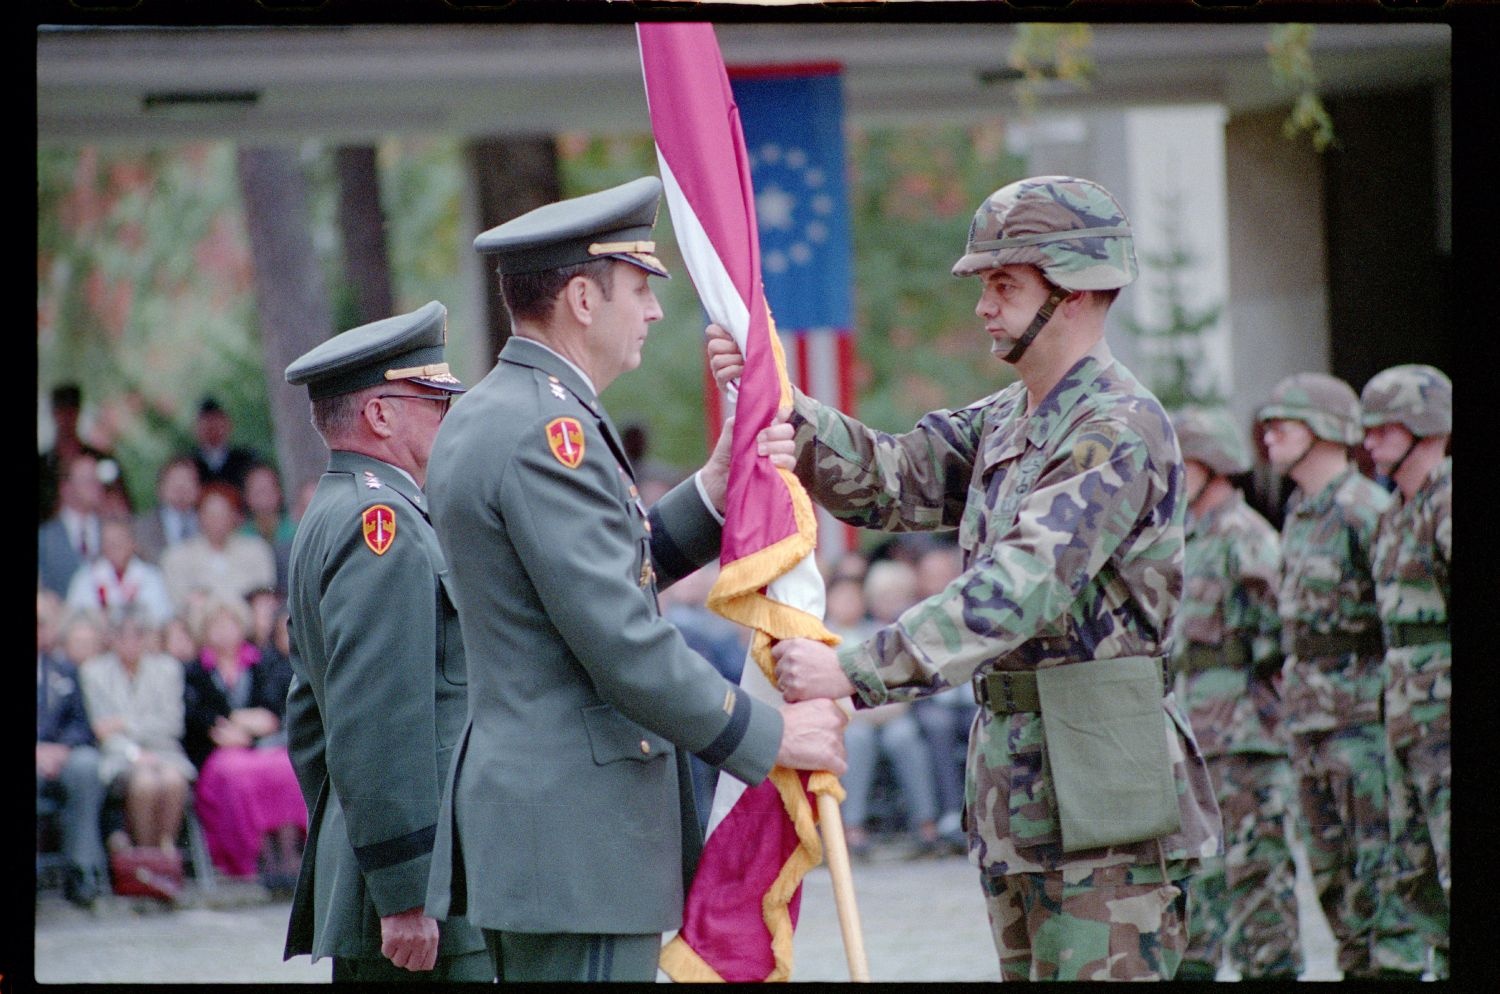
(569, 806)
(375, 707)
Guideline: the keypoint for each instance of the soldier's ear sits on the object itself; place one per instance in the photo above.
(581, 299)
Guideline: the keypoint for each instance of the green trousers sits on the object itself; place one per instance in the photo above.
(568, 957)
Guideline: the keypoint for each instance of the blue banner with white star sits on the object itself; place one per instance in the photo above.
(793, 120)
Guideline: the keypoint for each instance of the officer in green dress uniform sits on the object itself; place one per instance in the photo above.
(569, 832)
(378, 698)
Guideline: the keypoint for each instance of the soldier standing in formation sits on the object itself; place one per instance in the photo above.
(377, 701)
(1066, 490)
(1408, 417)
(1330, 631)
(569, 831)
(1228, 659)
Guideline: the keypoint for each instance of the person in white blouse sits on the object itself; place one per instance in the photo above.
(118, 579)
(218, 561)
(134, 697)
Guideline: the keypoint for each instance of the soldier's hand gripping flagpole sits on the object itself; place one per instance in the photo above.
(749, 879)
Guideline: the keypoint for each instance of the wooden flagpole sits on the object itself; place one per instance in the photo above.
(836, 851)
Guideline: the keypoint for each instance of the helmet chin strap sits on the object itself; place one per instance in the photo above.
(1395, 469)
(1043, 315)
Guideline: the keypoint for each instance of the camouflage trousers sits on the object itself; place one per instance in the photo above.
(1341, 790)
(1101, 929)
(1247, 900)
(1417, 880)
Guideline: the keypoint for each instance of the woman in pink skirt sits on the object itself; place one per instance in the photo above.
(246, 790)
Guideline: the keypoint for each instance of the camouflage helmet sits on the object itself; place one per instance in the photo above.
(1419, 397)
(1210, 436)
(1071, 229)
(1326, 404)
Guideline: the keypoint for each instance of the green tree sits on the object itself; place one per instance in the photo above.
(1173, 362)
(912, 195)
(144, 298)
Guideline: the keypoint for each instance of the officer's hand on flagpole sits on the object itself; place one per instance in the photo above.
(812, 737)
(807, 669)
(409, 939)
(724, 357)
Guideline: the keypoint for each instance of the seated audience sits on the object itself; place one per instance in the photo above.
(118, 579)
(218, 560)
(246, 790)
(889, 730)
(134, 694)
(70, 537)
(175, 516)
(67, 762)
(267, 517)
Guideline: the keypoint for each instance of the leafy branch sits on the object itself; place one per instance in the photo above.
(1292, 69)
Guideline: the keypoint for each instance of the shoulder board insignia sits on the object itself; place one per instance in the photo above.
(1093, 448)
(379, 525)
(565, 439)
(557, 390)
(372, 481)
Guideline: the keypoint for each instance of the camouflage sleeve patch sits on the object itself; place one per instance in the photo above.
(1094, 447)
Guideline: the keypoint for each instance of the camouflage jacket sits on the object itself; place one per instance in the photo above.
(1413, 549)
(1070, 519)
(1229, 634)
(1327, 590)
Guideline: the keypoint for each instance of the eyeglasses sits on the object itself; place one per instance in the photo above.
(446, 399)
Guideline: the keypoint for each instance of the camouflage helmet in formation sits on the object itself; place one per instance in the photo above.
(1071, 229)
(1210, 436)
(1418, 397)
(1326, 404)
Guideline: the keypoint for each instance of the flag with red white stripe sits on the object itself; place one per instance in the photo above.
(742, 907)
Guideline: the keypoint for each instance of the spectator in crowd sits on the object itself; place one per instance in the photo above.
(134, 695)
(945, 717)
(175, 516)
(118, 579)
(304, 497)
(717, 639)
(70, 538)
(66, 406)
(853, 564)
(177, 640)
(890, 729)
(265, 604)
(67, 762)
(235, 701)
(267, 517)
(81, 635)
(218, 460)
(218, 560)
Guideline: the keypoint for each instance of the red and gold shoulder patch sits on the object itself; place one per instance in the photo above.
(379, 525)
(565, 439)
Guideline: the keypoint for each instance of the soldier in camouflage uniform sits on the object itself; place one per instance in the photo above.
(1066, 491)
(1227, 658)
(1408, 416)
(1331, 634)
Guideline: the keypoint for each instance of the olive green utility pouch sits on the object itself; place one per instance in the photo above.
(1106, 740)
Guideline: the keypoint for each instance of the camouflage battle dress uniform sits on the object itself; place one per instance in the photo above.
(1333, 675)
(1227, 651)
(1070, 520)
(1413, 550)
